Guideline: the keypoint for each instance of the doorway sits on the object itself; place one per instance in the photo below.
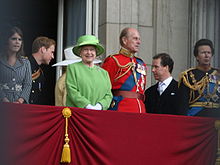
(35, 18)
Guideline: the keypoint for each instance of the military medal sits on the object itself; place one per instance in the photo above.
(112, 104)
(141, 69)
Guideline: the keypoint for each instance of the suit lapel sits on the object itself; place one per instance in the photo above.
(170, 89)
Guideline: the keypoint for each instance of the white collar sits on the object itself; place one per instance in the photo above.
(167, 81)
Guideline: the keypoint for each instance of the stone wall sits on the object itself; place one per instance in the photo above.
(163, 26)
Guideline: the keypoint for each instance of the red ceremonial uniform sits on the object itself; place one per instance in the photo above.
(128, 78)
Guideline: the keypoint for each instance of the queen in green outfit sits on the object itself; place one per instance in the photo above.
(88, 85)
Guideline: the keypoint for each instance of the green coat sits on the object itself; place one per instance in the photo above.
(87, 85)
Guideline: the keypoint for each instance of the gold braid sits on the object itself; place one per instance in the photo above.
(128, 66)
(196, 86)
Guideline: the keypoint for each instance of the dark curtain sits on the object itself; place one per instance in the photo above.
(74, 21)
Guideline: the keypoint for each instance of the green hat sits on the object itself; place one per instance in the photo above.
(88, 40)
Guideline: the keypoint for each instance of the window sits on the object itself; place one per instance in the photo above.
(75, 18)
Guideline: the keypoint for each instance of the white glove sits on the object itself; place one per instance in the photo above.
(89, 106)
(98, 106)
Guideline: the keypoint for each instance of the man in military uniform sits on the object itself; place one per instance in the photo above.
(199, 89)
(42, 53)
(128, 74)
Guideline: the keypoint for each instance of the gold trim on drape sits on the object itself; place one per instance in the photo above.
(66, 154)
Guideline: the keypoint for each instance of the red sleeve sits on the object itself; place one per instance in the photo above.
(111, 67)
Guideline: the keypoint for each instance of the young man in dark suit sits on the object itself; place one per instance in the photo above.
(161, 98)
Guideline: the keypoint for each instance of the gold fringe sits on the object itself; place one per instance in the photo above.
(66, 153)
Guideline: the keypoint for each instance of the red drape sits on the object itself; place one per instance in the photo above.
(34, 135)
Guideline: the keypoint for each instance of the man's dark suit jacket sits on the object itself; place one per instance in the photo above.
(162, 104)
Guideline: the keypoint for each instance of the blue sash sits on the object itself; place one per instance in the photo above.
(194, 110)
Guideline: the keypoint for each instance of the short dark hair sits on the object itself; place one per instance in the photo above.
(203, 42)
(166, 60)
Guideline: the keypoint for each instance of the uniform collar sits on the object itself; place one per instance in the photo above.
(126, 52)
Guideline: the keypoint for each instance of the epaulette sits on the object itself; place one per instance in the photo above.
(186, 71)
(183, 75)
(128, 66)
(112, 55)
(188, 79)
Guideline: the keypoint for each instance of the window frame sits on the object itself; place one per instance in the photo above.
(92, 12)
